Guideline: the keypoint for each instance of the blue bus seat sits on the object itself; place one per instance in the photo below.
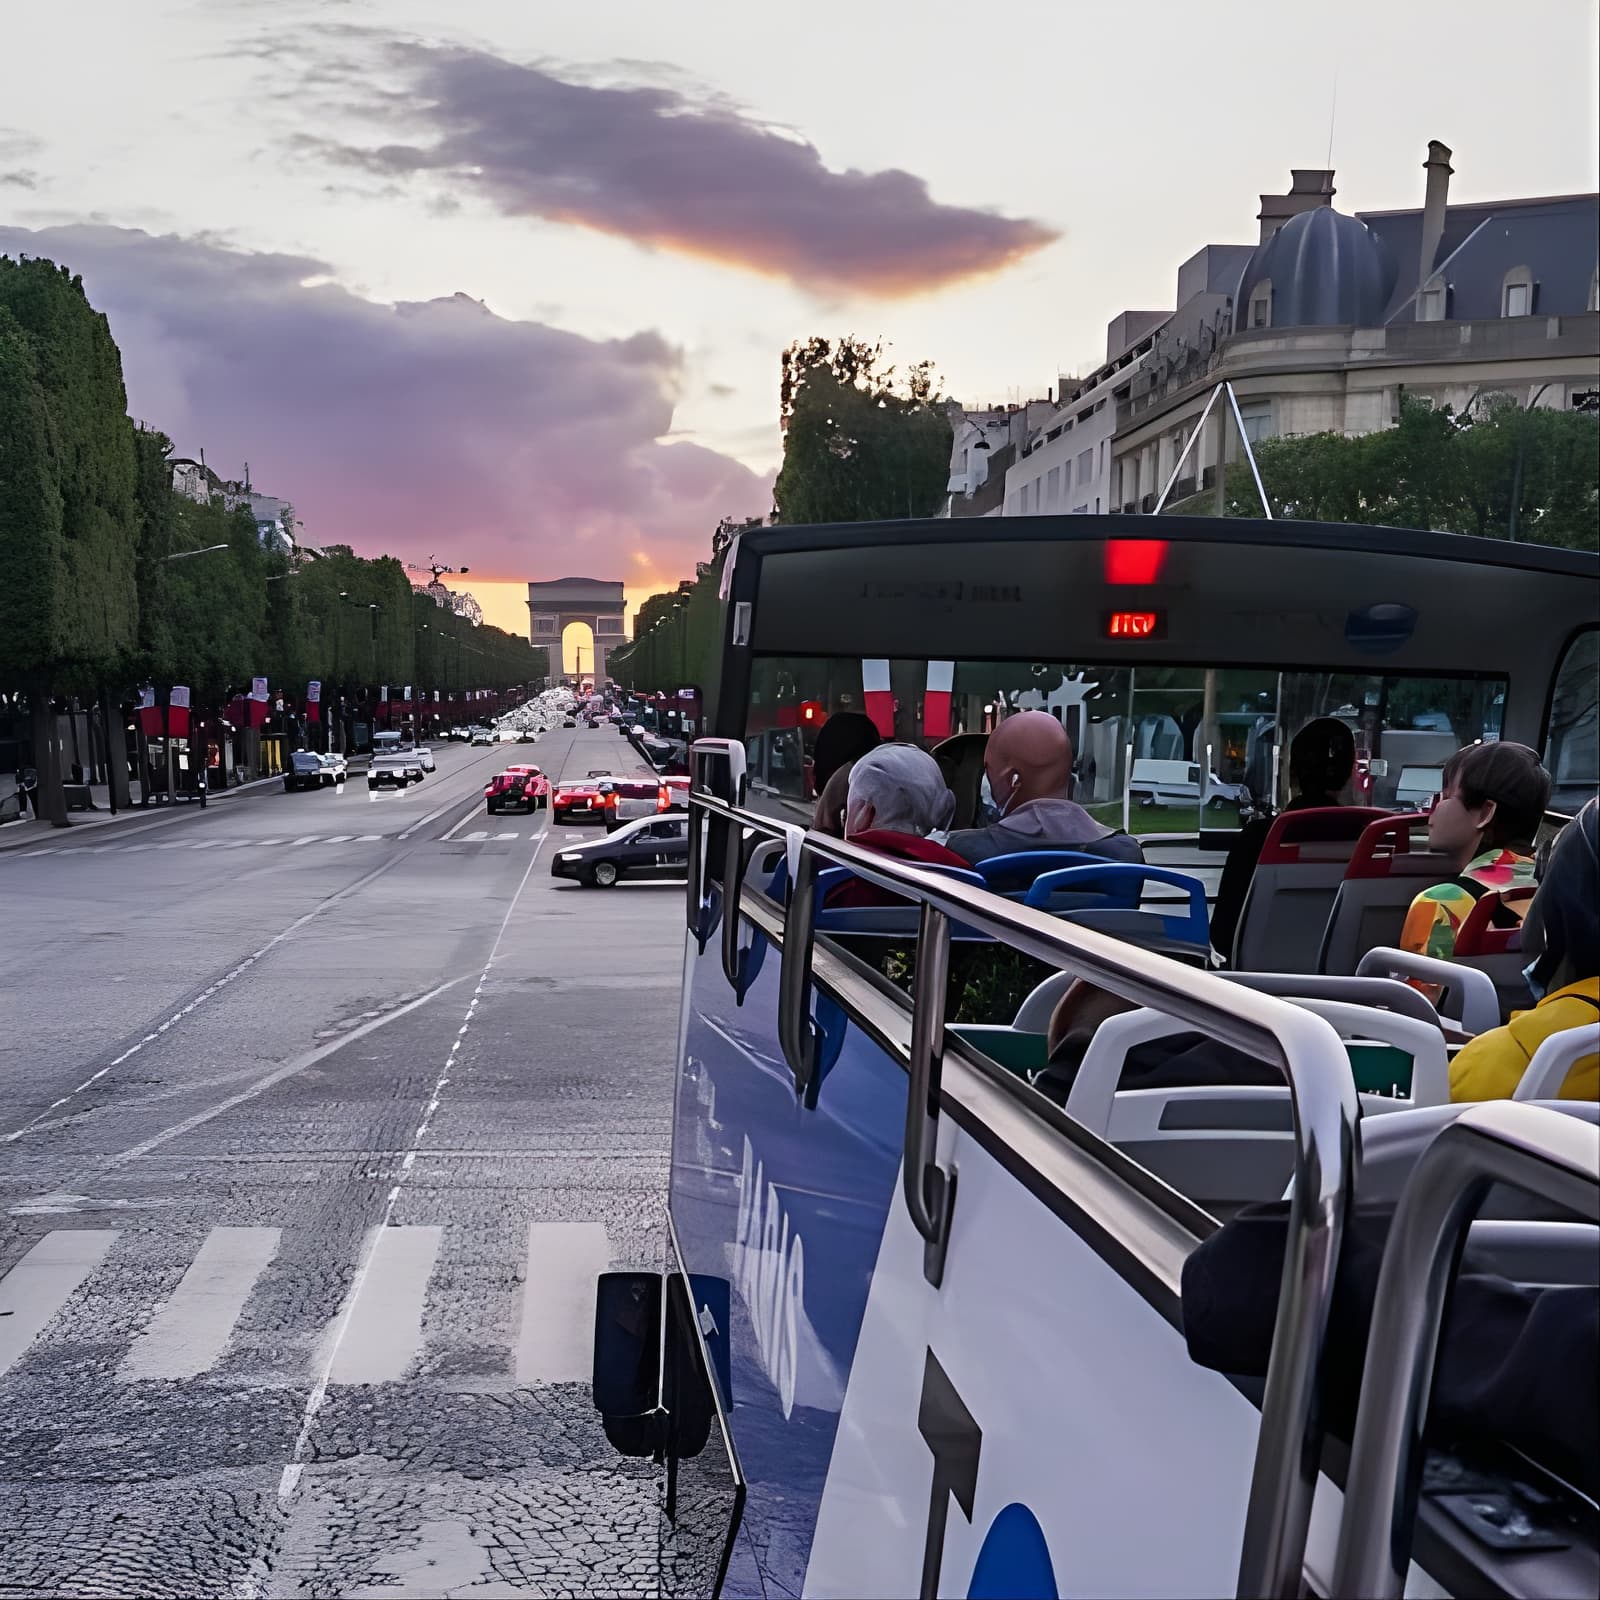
(1014, 874)
(1119, 884)
(889, 921)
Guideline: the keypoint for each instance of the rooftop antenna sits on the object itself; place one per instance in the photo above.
(1333, 112)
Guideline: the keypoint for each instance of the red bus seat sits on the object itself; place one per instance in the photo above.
(1390, 865)
(1497, 950)
(1301, 866)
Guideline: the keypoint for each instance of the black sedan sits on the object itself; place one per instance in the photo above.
(304, 770)
(651, 848)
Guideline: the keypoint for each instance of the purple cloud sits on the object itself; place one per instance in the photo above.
(514, 447)
(695, 176)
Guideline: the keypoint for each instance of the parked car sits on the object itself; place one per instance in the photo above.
(652, 847)
(304, 771)
(335, 769)
(425, 757)
(482, 736)
(527, 736)
(575, 801)
(524, 787)
(394, 770)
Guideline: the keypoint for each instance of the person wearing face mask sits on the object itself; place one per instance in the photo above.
(1491, 801)
(1027, 780)
(1561, 934)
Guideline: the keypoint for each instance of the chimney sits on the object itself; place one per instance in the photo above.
(1436, 198)
(1309, 189)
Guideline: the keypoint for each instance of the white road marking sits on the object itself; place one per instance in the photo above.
(505, 836)
(295, 1465)
(339, 838)
(34, 1290)
(556, 1342)
(307, 838)
(381, 1335)
(221, 983)
(371, 838)
(190, 1332)
(455, 827)
(277, 1075)
(477, 836)
(206, 844)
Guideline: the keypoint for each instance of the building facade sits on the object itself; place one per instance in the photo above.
(1331, 317)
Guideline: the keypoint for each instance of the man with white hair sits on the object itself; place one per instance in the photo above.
(897, 797)
(898, 789)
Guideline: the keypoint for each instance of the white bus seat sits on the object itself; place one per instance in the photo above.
(1226, 1145)
(1467, 996)
(1094, 1094)
(1387, 994)
(1554, 1059)
(1384, 875)
(1391, 1145)
(1286, 907)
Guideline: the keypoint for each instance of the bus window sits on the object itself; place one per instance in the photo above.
(1572, 742)
(1165, 716)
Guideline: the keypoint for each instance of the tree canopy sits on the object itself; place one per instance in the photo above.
(1501, 471)
(861, 441)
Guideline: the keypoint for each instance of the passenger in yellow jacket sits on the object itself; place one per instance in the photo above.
(1561, 934)
(1492, 1065)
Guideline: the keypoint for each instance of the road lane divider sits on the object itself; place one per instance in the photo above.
(293, 1468)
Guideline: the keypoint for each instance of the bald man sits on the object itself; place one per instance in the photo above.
(1028, 762)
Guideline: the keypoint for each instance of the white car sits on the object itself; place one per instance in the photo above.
(425, 757)
(335, 769)
(483, 736)
(395, 768)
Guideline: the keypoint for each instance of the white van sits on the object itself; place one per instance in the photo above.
(1177, 783)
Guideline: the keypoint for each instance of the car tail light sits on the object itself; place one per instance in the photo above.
(663, 799)
(611, 801)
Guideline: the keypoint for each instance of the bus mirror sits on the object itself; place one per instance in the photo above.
(627, 1353)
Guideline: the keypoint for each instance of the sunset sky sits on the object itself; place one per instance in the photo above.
(506, 283)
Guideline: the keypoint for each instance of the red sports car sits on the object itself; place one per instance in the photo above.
(577, 800)
(517, 786)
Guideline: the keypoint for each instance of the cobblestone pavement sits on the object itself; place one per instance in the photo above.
(313, 1141)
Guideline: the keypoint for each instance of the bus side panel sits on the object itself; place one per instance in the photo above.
(1080, 1451)
(788, 1205)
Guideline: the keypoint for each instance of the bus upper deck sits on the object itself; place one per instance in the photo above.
(939, 1318)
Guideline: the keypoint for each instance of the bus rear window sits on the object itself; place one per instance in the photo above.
(1223, 732)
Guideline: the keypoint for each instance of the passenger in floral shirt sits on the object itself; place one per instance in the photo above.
(1485, 816)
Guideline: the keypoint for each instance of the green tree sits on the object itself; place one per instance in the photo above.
(67, 480)
(79, 375)
(1504, 471)
(861, 443)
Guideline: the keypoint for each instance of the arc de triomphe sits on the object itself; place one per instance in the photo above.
(599, 602)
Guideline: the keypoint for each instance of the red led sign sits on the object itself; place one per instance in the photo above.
(1136, 624)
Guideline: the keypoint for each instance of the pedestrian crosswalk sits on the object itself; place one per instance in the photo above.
(298, 842)
(379, 1334)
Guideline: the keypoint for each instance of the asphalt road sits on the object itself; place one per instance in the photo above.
(320, 1113)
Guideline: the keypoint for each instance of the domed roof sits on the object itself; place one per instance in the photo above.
(1326, 270)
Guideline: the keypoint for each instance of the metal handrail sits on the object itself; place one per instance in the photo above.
(930, 1190)
(1303, 1046)
(1529, 1147)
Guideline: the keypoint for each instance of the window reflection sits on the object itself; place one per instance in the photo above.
(1181, 743)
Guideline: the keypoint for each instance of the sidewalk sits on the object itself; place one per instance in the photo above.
(21, 835)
